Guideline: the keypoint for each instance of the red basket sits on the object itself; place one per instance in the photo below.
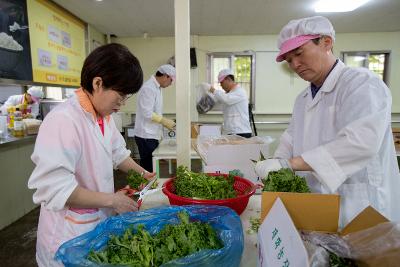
(244, 187)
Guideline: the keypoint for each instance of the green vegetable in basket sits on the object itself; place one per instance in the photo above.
(203, 186)
(137, 181)
(285, 180)
(136, 247)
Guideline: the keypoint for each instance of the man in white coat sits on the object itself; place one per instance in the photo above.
(340, 136)
(30, 99)
(235, 104)
(149, 114)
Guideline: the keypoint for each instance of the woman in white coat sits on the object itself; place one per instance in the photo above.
(235, 104)
(340, 135)
(77, 148)
(31, 99)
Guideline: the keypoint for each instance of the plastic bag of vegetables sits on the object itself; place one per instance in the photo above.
(223, 220)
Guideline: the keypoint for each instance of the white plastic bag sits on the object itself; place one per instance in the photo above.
(205, 100)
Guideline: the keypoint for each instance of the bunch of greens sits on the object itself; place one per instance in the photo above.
(137, 181)
(336, 261)
(254, 225)
(139, 248)
(203, 186)
(285, 180)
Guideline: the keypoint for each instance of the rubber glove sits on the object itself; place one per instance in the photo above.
(170, 124)
(264, 167)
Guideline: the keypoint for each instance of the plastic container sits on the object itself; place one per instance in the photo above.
(3, 125)
(244, 187)
(18, 130)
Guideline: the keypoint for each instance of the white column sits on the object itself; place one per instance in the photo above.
(182, 62)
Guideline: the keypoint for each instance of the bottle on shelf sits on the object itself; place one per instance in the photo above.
(10, 117)
(18, 124)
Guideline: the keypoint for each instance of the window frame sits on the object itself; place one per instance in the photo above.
(231, 56)
(366, 54)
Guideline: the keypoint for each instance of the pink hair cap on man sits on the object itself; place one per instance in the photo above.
(300, 31)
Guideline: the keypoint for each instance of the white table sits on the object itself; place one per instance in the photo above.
(167, 150)
(253, 209)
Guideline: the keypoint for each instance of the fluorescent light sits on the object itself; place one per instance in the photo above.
(338, 5)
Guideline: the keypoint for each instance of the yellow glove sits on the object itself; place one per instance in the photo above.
(156, 117)
(170, 124)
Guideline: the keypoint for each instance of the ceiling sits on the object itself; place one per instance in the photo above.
(133, 18)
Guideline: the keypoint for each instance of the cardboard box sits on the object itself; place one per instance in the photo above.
(396, 138)
(204, 129)
(226, 158)
(279, 241)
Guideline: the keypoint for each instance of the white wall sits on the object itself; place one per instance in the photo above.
(276, 88)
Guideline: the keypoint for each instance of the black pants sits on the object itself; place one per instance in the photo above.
(146, 148)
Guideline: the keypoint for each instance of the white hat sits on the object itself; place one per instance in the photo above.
(223, 73)
(298, 32)
(35, 92)
(168, 70)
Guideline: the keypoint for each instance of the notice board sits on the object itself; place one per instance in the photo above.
(15, 53)
(57, 41)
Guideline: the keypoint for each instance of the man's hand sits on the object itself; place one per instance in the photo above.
(264, 167)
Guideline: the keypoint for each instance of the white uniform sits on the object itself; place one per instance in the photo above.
(149, 100)
(235, 109)
(70, 150)
(345, 135)
(19, 99)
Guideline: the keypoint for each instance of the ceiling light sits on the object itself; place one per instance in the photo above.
(338, 5)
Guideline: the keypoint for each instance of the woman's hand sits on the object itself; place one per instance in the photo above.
(122, 203)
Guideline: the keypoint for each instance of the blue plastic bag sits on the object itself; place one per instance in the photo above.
(224, 220)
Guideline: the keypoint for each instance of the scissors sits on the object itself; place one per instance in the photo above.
(144, 192)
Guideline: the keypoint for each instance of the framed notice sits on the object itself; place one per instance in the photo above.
(57, 44)
(15, 53)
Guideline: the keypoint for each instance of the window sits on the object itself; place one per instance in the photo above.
(242, 65)
(374, 61)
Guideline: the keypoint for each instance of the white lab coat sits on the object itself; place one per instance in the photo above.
(149, 100)
(345, 135)
(19, 99)
(235, 109)
(70, 150)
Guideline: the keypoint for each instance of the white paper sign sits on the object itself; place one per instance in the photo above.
(279, 244)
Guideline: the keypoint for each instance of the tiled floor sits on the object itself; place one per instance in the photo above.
(18, 240)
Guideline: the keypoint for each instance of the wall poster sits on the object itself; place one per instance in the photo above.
(15, 53)
(57, 44)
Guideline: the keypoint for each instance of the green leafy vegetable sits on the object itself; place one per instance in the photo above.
(336, 261)
(254, 225)
(137, 181)
(285, 180)
(139, 248)
(203, 186)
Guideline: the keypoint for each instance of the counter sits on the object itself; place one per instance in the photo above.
(253, 209)
(16, 167)
(12, 139)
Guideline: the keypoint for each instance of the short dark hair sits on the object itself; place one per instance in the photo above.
(230, 77)
(119, 69)
(159, 74)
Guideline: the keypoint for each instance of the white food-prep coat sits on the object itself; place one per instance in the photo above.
(345, 135)
(70, 150)
(235, 109)
(149, 101)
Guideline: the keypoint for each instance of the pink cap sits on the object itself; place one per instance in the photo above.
(294, 43)
(223, 73)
